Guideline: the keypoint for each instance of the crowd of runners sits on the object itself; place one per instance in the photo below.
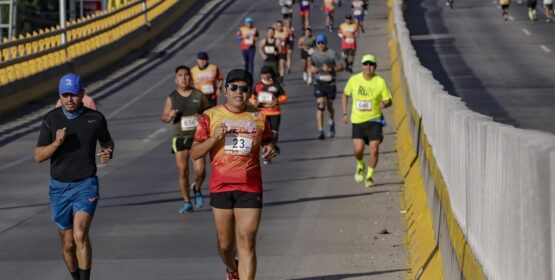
(240, 134)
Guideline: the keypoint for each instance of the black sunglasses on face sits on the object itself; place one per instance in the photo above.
(234, 87)
(369, 63)
(320, 43)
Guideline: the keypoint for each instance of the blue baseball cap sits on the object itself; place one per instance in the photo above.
(321, 38)
(249, 20)
(70, 83)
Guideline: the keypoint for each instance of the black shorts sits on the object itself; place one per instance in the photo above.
(212, 100)
(304, 54)
(532, 3)
(235, 199)
(349, 52)
(181, 143)
(274, 64)
(325, 90)
(282, 56)
(274, 122)
(287, 15)
(368, 131)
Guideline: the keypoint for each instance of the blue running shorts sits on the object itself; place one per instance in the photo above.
(68, 198)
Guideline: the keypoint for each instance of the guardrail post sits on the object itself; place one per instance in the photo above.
(145, 10)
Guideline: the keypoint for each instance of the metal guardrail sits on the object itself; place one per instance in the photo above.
(40, 51)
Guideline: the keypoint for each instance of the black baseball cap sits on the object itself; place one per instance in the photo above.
(202, 55)
(266, 70)
(348, 16)
(239, 75)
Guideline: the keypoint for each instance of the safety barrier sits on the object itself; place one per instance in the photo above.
(30, 63)
(477, 193)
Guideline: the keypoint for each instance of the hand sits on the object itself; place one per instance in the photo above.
(345, 119)
(269, 152)
(326, 67)
(105, 154)
(219, 131)
(60, 136)
(173, 113)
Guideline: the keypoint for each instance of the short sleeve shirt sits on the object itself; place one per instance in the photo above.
(75, 159)
(235, 159)
(367, 96)
(329, 57)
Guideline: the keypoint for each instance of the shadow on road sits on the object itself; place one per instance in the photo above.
(349, 275)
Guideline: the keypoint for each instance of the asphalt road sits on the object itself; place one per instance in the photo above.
(317, 222)
(502, 69)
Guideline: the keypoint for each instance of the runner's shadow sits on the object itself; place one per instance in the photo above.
(320, 198)
(349, 275)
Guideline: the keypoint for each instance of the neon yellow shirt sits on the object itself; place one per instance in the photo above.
(367, 96)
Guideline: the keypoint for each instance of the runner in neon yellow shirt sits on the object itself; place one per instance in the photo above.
(370, 95)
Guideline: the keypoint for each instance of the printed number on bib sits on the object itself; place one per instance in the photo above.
(349, 40)
(357, 12)
(236, 144)
(265, 97)
(325, 78)
(305, 3)
(269, 49)
(289, 2)
(188, 123)
(249, 41)
(207, 89)
(364, 105)
(310, 51)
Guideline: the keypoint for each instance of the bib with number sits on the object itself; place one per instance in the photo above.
(289, 2)
(310, 51)
(349, 40)
(207, 89)
(249, 41)
(189, 123)
(238, 144)
(357, 12)
(269, 49)
(265, 97)
(364, 105)
(325, 78)
(305, 3)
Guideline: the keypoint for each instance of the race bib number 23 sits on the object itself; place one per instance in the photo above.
(236, 144)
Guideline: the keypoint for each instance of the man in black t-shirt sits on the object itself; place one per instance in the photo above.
(68, 137)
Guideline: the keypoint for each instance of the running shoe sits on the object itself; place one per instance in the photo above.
(309, 80)
(232, 276)
(305, 76)
(187, 207)
(321, 135)
(332, 130)
(199, 200)
(369, 182)
(359, 174)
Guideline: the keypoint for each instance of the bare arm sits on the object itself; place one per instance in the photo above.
(167, 113)
(261, 48)
(106, 151)
(344, 99)
(386, 103)
(43, 153)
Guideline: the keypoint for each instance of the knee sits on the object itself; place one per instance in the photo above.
(226, 248)
(321, 106)
(183, 171)
(246, 241)
(68, 245)
(80, 236)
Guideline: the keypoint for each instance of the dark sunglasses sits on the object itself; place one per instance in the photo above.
(234, 87)
(369, 63)
(320, 43)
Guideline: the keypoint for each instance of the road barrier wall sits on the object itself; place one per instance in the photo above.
(477, 193)
(31, 64)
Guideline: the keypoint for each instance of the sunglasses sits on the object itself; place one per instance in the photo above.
(320, 43)
(367, 63)
(234, 87)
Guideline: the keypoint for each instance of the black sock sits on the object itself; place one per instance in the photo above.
(85, 274)
(75, 275)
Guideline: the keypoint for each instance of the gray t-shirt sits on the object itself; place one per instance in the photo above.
(329, 57)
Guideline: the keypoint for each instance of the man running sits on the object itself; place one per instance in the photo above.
(329, 10)
(304, 11)
(235, 134)
(287, 8)
(325, 63)
(348, 32)
(282, 36)
(505, 8)
(532, 4)
(248, 35)
(207, 78)
(306, 44)
(357, 8)
(269, 50)
(182, 108)
(548, 5)
(370, 95)
(68, 137)
(268, 96)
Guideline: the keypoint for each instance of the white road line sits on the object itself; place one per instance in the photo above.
(154, 134)
(15, 162)
(545, 48)
(526, 31)
(511, 18)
